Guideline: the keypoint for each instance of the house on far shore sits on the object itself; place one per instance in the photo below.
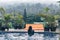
(35, 27)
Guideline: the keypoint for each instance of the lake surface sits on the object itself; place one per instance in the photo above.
(25, 36)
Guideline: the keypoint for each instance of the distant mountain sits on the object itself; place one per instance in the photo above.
(31, 8)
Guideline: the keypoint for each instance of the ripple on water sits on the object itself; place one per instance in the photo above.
(24, 36)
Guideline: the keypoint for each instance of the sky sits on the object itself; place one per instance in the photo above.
(29, 1)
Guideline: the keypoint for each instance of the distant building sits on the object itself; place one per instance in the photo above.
(35, 26)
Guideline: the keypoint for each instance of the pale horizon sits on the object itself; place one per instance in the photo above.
(29, 1)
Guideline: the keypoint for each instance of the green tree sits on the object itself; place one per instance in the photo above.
(2, 11)
(19, 21)
(7, 18)
(46, 9)
(56, 17)
(48, 18)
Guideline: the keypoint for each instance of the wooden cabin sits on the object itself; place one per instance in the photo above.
(35, 26)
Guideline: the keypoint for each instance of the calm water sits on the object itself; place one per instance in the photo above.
(24, 36)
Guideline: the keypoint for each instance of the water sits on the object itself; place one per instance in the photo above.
(25, 36)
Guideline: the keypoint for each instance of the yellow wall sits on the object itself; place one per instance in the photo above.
(35, 26)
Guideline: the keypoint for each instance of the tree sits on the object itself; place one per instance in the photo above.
(7, 18)
(2, 11)
(48, 18)
(19, 22)
(46, 9)
(56, 17)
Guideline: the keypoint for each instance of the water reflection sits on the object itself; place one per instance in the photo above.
(24, 36)
(51, 36)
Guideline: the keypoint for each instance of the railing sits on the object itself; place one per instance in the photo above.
(27, 32)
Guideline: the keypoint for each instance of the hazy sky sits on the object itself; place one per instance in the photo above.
(29, 1)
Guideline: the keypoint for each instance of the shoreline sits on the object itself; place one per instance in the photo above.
(25, 31)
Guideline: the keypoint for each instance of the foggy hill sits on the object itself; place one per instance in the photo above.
(31, 8)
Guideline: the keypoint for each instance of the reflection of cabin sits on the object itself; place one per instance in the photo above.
(35, 26)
